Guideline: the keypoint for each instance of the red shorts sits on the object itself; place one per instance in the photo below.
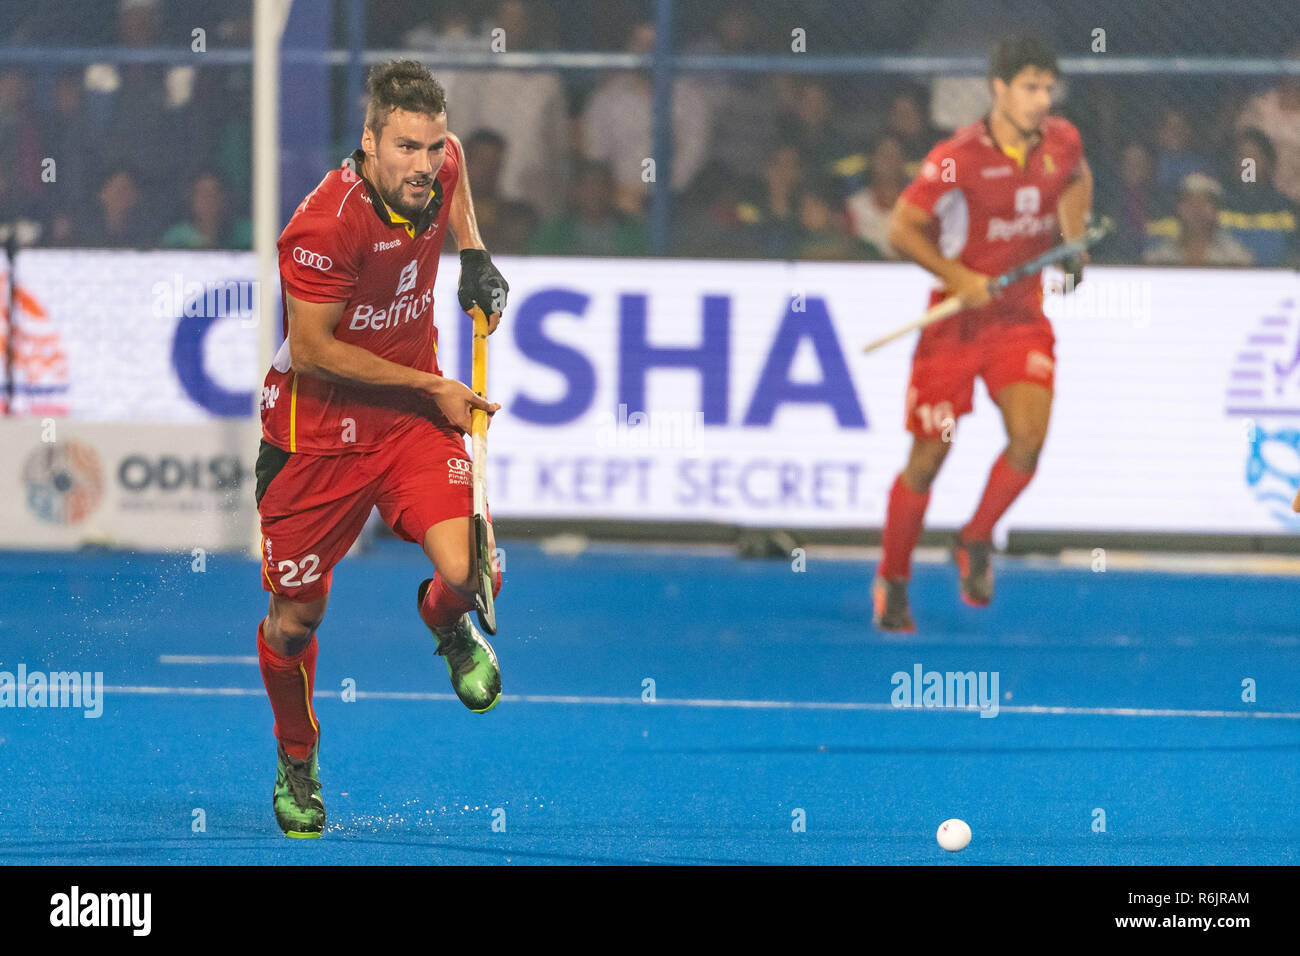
(312, 507)
(943, 379)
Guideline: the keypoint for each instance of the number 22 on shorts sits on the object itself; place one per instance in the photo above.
(289, 571)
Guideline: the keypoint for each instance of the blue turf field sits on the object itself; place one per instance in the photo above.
(586, 772)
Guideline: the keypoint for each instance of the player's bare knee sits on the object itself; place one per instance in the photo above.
(924, 463)
(458, 573)
(292, 626)
(1023, 451)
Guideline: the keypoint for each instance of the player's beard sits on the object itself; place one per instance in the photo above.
(396, 198)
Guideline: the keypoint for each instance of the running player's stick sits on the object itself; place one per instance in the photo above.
(487, 615)
(952, 305)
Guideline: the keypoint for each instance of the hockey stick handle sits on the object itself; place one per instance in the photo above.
(479, 418)
(1094, 234)
(936, 313)
(952, 305)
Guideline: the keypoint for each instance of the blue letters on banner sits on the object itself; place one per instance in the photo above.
(187, 358)
(569, 362)
(836, 387)
(636, 356)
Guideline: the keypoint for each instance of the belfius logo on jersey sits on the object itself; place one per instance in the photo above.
(1264, 391)
(406, 305)
(1027, 222)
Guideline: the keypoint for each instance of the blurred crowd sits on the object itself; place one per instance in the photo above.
(790, 166)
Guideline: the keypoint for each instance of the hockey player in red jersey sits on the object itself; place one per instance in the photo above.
(356, 413)
(997, 193)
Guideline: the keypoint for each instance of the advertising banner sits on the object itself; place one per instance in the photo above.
(731, 392)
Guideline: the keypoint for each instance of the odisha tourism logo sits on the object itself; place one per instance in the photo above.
(64, 482)
(1264, 390)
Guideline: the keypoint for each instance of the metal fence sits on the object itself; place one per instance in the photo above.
(744, 130)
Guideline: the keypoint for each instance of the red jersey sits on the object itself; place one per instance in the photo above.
(993, 213)
(343, 245)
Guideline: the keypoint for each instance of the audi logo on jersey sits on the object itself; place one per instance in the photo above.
(312, 260)
(460, 464)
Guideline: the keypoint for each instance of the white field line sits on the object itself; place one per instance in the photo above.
(878, 707)
(207, 658)
(1075, 559)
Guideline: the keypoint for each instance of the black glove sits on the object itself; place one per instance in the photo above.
(1073, 269)
(481, 283)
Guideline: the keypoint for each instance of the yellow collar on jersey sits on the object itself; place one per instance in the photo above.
(406, 223)
(1021, 156)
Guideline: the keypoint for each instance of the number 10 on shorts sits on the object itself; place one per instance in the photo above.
(937, 418)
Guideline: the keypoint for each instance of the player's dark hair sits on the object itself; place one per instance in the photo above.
(401, 85)
(1014, 53)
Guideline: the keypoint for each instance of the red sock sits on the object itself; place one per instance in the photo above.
(443, 606)
(1005, 485)
(290, 682)
(902, 530)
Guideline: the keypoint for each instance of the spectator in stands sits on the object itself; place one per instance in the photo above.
(1276, 113)
(220, 122)
(1175, 157)
(1128, 197)
(616, 128)
(718, 216)
(451, 31)
(783, 177)
(1255, 212)
(20, 147)
(141, 108)
(591, 226)
(1201, 242)
(120, 221)
(16, 216)
(71, 145)
(869, 207)
(823, 231)
(526, 108)
(484, 155)
(906, 121)
(810, 125)
(210, 225)
(515, 228)
(739, 106)
(1219, 118)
